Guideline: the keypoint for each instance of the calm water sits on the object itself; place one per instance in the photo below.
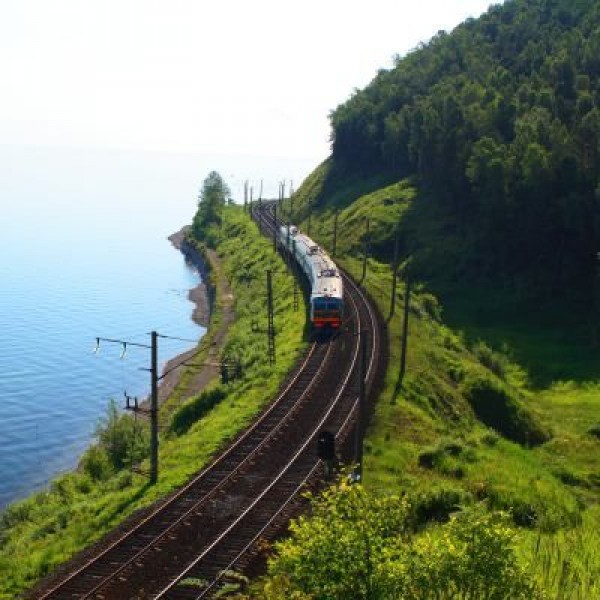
(84, 254)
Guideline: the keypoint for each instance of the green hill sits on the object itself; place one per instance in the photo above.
(480, 151)
(498, 124)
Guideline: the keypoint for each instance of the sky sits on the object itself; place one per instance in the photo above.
(256, 78)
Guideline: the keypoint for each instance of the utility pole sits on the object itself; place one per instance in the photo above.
(281, 206)
(296, 299)
(154, 409)
(359, 432)
(394, 275)
(295, 279)
(259, 216)
(154, 379)
(596, 302)
(275, 227)
(261, 191)
(270, 320)
(404, 331)
(365, 251)
(153, 347)
(335, 222)
(289, 206)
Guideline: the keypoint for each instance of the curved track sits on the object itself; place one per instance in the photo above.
(219, 519)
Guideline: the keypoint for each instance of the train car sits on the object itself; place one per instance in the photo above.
(327, 297)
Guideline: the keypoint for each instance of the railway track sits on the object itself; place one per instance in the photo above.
(248, 494)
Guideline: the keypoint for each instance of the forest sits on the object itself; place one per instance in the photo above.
(498, 125)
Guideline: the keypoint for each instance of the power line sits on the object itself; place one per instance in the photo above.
(172, 337)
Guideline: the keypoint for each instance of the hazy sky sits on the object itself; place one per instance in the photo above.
(225, 77)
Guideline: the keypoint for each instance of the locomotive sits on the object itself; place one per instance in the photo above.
(327, 297)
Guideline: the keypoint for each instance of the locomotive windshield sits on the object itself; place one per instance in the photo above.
(326, 304)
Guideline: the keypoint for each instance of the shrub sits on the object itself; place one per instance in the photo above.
(496, 405)
(196, 408)
(358, 545)
(121, 438)
(431, 306)
(470, 557)
(494, 361)
(595, 431)
(96, 464)
(435, 505)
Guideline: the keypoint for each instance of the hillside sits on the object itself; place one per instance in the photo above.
(480, 151)
(498, 124)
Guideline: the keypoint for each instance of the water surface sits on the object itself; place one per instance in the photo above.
(83, 254)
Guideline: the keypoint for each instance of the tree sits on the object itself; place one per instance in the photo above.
(213, 195)
(120, 442)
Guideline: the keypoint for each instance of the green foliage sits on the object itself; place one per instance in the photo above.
(121, 442)
(196, 408)
(96, 463)
(213, 196)
(360, 545)
(423, 438)
(497, 123)
(496, 362)
(499, 407)
(566, 565)
(435, 504)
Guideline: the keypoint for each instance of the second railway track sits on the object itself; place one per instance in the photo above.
(250, 491)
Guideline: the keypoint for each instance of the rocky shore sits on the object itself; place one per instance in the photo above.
(204, 298)
(202, 295)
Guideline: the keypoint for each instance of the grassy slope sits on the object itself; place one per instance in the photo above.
(49, 527)
(426, 437)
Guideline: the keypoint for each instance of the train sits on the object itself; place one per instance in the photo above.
(327, 290)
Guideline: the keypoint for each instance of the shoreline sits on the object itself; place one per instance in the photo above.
(204, 296)
(201, 314)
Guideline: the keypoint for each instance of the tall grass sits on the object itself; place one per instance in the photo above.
(567, 565)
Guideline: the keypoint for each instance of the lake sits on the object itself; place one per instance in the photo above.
(84, 253)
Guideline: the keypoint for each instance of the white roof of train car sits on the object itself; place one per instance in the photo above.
(324, 275)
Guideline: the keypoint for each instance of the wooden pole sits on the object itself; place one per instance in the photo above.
(404, 331)
(394, 275)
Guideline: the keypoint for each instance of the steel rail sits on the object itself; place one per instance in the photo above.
(226, 453)
(181, 493)
(350, 419)
(308, 439)
(194, 507)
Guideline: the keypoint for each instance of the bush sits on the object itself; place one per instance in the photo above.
(358, 545)
(121, 442)
(496, 405)
(471, 557)
(96, 464)
(494, 361)
(196, 408)
(431, 306)
(595, 431)
(435, 505)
